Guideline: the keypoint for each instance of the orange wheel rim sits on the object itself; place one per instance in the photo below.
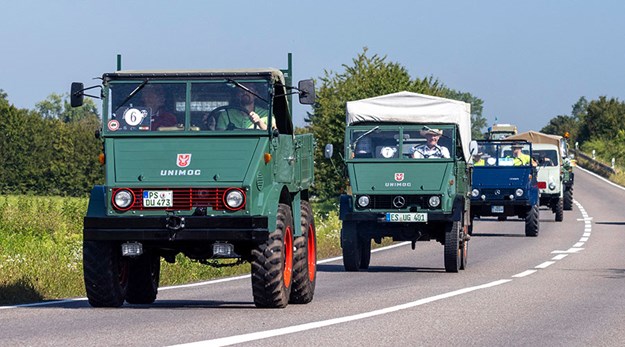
(312, 254)
(288, 254)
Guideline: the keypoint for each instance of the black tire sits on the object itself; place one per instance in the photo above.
(351, 248)
(464, 253)
(502, 218)
(105, 273)
(305, 259)
(272, 264)
(568, 199)
(143, 278)
(532, 222)
(365, 253)
(452, 247)
(559, 211)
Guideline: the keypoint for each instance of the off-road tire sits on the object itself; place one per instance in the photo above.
(351, 248)
(532, 222)
(143, 279)
(568, 199)
(365, 252)
(559, 210)
(452, 246)
(272, 264)
(105, 273)
(305, 259)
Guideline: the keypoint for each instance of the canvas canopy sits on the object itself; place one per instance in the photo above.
(538, 137)
(413, 108)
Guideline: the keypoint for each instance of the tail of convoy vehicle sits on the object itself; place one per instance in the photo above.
(392, 194)
(500, 131)
(554, 177)
(190, 187)
(504, 186)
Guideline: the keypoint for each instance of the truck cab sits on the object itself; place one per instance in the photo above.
(202, 163)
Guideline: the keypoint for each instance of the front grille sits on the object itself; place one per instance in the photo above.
(184, 198)
(491, 193)
(385, 202)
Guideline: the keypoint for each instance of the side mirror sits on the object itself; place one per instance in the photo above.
(76, 95)
(329, 150)
(306, 92)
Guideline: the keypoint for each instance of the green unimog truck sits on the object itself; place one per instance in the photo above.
(202, 163)
(398, 190)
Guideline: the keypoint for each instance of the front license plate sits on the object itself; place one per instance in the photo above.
(406, 217)
(158, 198)
(496, 209)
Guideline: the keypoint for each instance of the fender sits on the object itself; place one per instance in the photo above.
(97, 202)
(346, 206)
(458, 209)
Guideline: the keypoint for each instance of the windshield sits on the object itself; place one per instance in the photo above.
(506, 153)
(546, 157)
(384, 142)
(221, 105)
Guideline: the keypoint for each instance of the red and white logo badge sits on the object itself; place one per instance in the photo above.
(399, 176)
(183, 160)
(113, 125)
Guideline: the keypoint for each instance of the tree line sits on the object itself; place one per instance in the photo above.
(52, 150)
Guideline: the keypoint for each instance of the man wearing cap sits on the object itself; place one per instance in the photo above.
(520, 158)
(430, 149)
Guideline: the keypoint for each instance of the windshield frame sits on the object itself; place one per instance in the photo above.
(187, 84)
(405, 138)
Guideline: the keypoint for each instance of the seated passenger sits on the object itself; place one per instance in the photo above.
(154, 99)
(430, 149)
(233, 118)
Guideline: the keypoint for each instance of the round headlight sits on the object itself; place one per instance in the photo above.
(235, 199)
(475, 193)
(552, 186)
(363, 201)
(434, 201)
(519, 192)
(123, 199)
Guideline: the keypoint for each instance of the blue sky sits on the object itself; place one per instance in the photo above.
(528, 60)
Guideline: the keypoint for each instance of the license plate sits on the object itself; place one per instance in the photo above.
(496, 209)
(158, 198)
(406, 217)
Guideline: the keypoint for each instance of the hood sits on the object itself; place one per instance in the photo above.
(506, 177)
(182, 160)
(392, 177)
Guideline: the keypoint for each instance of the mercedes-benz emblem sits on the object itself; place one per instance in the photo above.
(399, 201)
(497, 192)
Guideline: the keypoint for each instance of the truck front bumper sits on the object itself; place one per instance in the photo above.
(157, 228)
(510, 207)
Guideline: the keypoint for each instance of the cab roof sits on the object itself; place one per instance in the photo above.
(272, 73)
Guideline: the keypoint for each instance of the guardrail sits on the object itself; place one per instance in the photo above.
(592, 164)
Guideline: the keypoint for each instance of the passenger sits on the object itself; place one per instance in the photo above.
(478, 159)
(520, 158)
(256, 117)
(430, 149)
(153, 98)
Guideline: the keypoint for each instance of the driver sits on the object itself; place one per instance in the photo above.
(255, 117)
(430, 149)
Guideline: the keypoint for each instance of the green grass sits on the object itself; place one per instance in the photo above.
(41, 249)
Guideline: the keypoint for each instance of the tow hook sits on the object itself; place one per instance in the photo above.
(174, 224)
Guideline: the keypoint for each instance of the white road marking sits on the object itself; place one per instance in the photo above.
(230, 340)
(559, 257)
(578, 245)
(583, 239)
(525, 273)
(545, 264)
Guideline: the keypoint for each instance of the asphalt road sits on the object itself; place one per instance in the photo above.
(565, 287)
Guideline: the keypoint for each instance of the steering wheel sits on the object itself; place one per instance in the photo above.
(225, 108)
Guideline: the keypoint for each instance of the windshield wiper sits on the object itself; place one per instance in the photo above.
(133, 93)
(363, 135)
(239, 85)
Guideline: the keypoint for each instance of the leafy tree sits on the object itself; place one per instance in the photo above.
(561, 125)
(478, 122)
(603, 119)
(366, 77)
(58, 106)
